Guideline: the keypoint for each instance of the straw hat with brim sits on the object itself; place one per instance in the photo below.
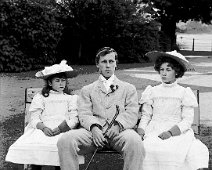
(154, 55)
(55, 69)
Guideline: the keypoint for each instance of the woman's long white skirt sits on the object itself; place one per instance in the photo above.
(34, 147)
(183, 152)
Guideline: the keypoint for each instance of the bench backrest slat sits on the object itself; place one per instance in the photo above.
(30, 93)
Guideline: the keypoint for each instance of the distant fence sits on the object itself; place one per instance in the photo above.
(195, 42)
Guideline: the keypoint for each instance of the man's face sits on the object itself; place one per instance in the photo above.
(107, 65)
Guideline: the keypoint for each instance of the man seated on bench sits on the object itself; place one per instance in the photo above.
(96, 108)
(52, 112)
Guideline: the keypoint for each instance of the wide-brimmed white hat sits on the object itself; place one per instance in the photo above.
(56, 68)
(154, 55)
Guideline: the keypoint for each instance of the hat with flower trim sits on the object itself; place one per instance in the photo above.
(154, 55)
(55, 69)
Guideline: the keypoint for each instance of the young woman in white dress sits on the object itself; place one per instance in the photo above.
(167, 116)
(53, 112)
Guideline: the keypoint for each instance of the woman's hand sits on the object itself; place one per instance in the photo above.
(56, 131)
(47, 131)
(98, 137)
(165, 135)
(141, 132)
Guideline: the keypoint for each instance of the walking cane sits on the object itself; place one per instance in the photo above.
(109, 126)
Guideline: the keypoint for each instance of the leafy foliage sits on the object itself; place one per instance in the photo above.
(37, 33)
(182, 10)
(29, 37)
(99, 23)
(170, 12)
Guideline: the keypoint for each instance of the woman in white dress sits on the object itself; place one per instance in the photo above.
(53, 112)
(167, 116)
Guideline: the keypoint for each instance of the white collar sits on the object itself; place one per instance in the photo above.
(106, 82)
(170, 85)
(55, 92)
(102, 78)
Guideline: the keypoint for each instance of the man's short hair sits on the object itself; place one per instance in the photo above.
(104, 51)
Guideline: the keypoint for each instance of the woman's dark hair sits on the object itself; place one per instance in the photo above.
(175, 65)
(104, 51)
(46, 89)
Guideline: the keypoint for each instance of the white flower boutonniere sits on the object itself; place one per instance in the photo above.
(113, 87)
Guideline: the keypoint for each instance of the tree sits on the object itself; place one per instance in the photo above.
(170, 12)
(92, 24)
(41, 32)
(29, 35)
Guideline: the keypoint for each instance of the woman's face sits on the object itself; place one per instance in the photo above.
(58, 84)
(167, 73)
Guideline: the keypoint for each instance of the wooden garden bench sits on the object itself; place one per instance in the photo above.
(30, 93)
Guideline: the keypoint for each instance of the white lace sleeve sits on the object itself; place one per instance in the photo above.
(72, 113)
(189, 101)
(36, 108)
(146, 113)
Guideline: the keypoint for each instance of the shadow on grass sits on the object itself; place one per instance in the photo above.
(79, 69)
(206, 137)
(196, 53)
(12, 129)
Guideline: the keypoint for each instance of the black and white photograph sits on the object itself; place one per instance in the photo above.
(105, 85)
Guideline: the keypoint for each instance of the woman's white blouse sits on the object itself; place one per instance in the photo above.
(54, 109)
(167, 105)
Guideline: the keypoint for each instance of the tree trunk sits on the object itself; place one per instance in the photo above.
(80, 51)
(169, 29)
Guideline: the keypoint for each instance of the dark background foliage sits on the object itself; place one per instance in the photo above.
(29, 36)
(170, 12)
(89, 26)
(36, 33)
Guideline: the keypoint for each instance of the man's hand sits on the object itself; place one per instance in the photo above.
(98, 137)
(47, 131)
(113, 131)
(141, 132)
(165, 135)
(56, 131)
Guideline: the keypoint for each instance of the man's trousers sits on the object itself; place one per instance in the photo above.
(79, 141)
